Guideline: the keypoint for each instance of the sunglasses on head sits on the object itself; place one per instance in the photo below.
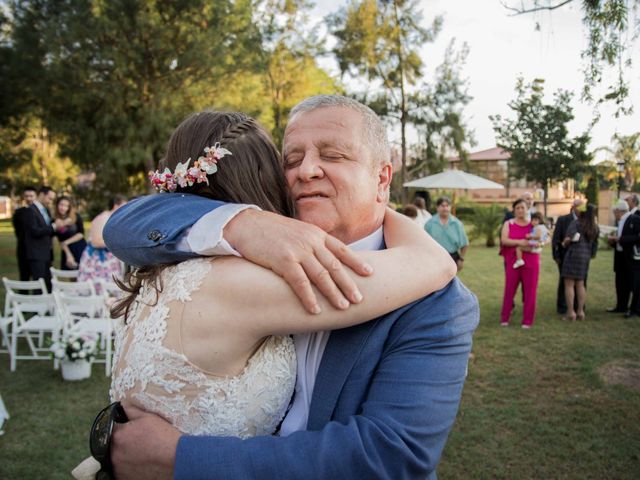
(100, 437)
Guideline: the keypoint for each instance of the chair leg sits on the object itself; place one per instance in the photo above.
(13, 350)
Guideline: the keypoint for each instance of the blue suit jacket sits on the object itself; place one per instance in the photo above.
(386, 394)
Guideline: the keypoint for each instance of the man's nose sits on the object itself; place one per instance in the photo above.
(310, 168)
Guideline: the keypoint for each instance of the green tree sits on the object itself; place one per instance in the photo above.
(380, 40)
(110, 80)
(288, 49)
(437, 112)
(626, 152)
(612, 28)
(538, 140)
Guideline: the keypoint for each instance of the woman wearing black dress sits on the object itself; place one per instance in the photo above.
(581, 242)
(71, 235)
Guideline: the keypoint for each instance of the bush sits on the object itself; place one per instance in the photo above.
(486, 222)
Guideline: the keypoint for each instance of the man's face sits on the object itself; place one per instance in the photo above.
(631, 202)
(444, 209)
(47, 199)
(331, 173)
(29, 196)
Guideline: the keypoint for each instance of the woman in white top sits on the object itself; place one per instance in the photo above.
(205, 343)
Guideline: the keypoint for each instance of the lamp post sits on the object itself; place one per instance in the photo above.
(620, 169)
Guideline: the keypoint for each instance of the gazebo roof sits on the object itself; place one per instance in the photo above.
(495, 153)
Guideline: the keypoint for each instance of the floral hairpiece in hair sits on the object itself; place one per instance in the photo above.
(183, 176)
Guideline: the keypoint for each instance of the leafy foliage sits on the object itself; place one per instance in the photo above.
(437, 111)
(612, 28)
(538, 140)
(380, 41)
(486, 223)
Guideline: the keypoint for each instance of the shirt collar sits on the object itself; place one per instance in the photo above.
(374, 241)
(38, 205)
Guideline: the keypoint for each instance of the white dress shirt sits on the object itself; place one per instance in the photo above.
(205, 238)
(43, 211)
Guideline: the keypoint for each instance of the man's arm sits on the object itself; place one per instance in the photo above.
(148, 231)
(557, 238)
(400, 431)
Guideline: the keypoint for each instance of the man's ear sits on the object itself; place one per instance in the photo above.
(384, 180)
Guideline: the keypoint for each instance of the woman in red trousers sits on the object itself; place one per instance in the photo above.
(514, 233)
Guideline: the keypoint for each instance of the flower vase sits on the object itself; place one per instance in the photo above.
(78, 370)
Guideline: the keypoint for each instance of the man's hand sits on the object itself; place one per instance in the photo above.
(300, 253)
(459, 264)
(144, 447)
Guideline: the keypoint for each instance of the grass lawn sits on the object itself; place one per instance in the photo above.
(537, 404)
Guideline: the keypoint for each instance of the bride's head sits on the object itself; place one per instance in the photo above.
(251, 173)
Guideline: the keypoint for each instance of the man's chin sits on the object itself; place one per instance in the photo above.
(319, 219)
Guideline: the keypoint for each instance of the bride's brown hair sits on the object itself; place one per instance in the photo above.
(253, 174)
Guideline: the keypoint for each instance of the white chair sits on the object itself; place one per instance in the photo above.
(85, 288)
(87, 314)
(64, 275)
(12, 287)
(33, 314)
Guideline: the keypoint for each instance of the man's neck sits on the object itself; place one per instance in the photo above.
(373, 241)
(444, 219)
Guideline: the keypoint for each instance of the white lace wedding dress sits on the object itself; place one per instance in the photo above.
(160, 379)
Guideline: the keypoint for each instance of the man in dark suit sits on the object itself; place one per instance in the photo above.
(621, 265)
(38, 230)
(559, 251)
(28, 197)
(630, 242)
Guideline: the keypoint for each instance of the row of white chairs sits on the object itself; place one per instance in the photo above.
(71, 307)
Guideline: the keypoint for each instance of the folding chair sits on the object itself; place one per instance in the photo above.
(64, 275)
(33, 314)
(87, 314)
(12, 287)
(85, 288)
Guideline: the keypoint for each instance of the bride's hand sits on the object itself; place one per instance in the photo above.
(300, 253)
(144, 447)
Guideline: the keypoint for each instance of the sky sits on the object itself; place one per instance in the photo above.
(502, 47)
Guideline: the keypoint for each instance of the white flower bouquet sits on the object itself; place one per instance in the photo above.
(76, 347)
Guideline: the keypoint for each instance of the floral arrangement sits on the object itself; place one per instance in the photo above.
(168, 181)
(76, 347)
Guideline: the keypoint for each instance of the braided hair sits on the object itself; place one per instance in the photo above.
(253, 174)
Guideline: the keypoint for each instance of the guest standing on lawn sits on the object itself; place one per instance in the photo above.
(621, 264)
(581, 245)
(70, 234)
(18, 219)
(514, 233)
(448, 231)
(559, 251)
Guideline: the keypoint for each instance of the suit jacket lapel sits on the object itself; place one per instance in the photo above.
(342, 351)
(38, 213)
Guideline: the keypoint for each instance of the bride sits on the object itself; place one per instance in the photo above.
(205, 343)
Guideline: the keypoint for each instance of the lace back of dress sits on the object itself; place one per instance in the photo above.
(163, 381)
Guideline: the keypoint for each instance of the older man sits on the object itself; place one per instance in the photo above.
(376, 400)
(629, 241)
(621, 265)
(448, 231)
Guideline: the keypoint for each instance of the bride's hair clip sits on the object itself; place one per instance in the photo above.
(183, 176)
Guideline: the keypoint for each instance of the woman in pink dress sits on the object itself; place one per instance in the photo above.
(514, 233)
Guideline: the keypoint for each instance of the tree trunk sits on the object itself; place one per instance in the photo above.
(546, 195)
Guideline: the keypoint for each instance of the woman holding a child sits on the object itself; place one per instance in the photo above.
(516, 239)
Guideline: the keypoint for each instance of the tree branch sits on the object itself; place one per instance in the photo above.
(523, 11)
